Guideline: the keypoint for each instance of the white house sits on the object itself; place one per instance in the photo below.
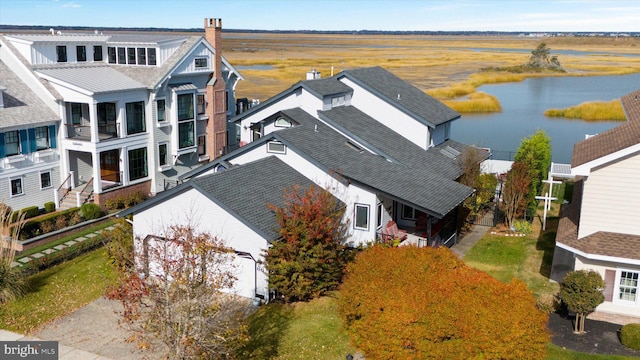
(599, 230)
(383, 174)
(135, 110)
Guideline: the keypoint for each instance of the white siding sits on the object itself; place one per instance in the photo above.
(188, 64)
(33, 194)
(611, 197)
(388, 115)
(611, 306)
(193, 208)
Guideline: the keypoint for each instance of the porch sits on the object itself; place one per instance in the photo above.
(425, 230)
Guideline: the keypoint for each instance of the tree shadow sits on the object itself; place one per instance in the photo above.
(547, 243)
(267, 327)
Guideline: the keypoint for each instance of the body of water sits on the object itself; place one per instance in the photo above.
(523, 107)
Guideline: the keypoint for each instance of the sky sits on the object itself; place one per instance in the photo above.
(399, 15)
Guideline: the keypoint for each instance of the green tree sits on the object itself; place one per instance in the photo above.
(310, 257)
(541, 59)
(12, 281)
(443, 310)
(581, 291)
(535, 151)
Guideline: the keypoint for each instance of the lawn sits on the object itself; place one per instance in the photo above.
(310, 330)
(58, 291)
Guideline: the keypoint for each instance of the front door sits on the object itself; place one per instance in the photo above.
(110, 166)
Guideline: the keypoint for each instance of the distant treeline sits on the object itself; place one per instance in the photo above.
(328, 32)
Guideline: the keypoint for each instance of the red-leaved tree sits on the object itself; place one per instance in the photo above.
(309, 258)
(515, 191)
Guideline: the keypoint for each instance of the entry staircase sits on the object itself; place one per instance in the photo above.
(77, 196)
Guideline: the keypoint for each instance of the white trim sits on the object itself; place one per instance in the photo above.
(585, 169)
(11, 179)
(355, 215)
(50, 179)
(272, 151)
(616, 289)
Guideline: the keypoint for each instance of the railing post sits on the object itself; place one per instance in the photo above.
(56, 198)
(72, 180)
(78, 196)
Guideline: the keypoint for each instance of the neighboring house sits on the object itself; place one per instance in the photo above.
(29, 155)
(381, 173)
(599, 230)
(136, 110)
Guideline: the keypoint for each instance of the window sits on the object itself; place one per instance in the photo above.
(408, 212)
(151, 52)
(162, 154)
(276, 147)
(200, 63)
(76, 113)
(185, 134)
(142, 56)
(45, 179)
(107, 119)
(337, 101)
(16, 187)
(137, 164)
(42, 137)
(379, 215)
(61, 52)
(185, 106)
(160, 105)
(362, 217)
(628, 286)
(81, 53)
(131, 55)
(111, 54)
(281, 122)
(201, 104)
(202, 145)
(122, 56)
(97, 53)
(12, 142)
(135, 118)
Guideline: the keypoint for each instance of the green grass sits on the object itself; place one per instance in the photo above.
(63, 240)
(310, 330)
(58, 291)
(558, 353)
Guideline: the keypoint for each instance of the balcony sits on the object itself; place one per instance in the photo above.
(83, 132)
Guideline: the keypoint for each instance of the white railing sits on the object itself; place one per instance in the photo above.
(63, 189)
(80, 194)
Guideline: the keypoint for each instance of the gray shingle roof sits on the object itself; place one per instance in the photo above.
(95, 79)
(326, 87)
(248, 189)
(21, 105)
(421, 186)
(401, 94)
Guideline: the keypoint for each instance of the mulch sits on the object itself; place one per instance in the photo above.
(600, 337)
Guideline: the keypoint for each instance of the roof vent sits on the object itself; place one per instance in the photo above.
(398, 96)
(313, 74)
(315, 128)
(450, 152)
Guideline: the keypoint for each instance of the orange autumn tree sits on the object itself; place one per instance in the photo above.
(422, 303)
(309, 259)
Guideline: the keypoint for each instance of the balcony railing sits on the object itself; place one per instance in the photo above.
(83, 132)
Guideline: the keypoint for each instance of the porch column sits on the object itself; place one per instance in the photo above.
(93, 122)
(95, 160)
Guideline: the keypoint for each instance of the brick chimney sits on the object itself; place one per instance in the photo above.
(216, 93)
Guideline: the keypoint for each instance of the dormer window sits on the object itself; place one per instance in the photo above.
(337, 101)
(12, 143)
(131, 56)
(61, 52)
(142, 56)
(151, 52)
(122, 56)
(201, 63)
(81, 53)
(276, 147)
(97, 53)
(111, 54)
(282, 122)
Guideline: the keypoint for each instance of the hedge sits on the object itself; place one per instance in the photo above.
(33, 227)
(630, 336)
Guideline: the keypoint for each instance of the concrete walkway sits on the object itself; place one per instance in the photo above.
(469, 240)
(64, 352)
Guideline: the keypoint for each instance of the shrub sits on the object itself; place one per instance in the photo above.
(581, 291)
(33, 227)
(630, 336)
(47, 226)
(61, 222)
(523, 227)
(49, 206)
(29, 212)
(115, 203)
(75, 219)
(444, 310)
(548, 303)
(91, 211)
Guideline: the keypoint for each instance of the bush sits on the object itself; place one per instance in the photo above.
(75, 219)
(548, 303)
(444, 310)
(34, 227)
(61, 222)
(49, 206)
(523, 227)
(630, 336)
(91, 211)
(29, 212)
(47, 226)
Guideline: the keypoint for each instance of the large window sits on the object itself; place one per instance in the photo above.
(151, 53)
(61, 53)
(160, 107)
(186, 134)
(137, 164)
(111, 54)
(628, 286)
(122, 55)
(201, 104)
(81, 53)
(45, 179)
(76, 113)
(202, 145)
(16, 187)
(131, 55)
(142, 56)
(135, 118)
(362, 217)
(185, 107)
(163, 154)
(97, 53)
(42, 138)
(12, 142)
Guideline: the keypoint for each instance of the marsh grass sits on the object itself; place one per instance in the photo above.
(476, 102)
(591, 111)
